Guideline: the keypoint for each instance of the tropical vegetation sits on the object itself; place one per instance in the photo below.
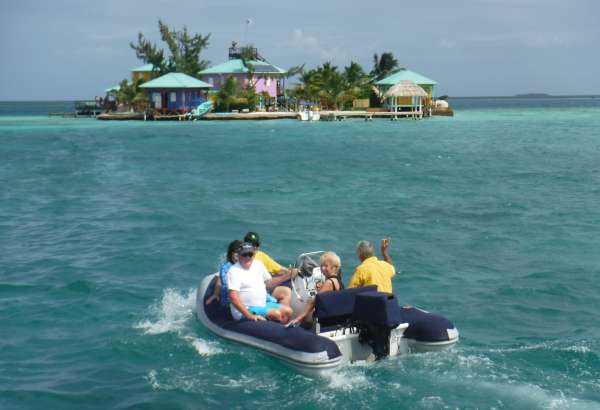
(326, 85)
(335, 89)
(184, 51)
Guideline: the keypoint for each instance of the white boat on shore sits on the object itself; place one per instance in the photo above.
(309, 115)
(348, 325)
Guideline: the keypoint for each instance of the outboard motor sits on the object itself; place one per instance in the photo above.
(376, 314)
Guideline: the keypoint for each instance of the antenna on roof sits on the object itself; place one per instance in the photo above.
(248, 22)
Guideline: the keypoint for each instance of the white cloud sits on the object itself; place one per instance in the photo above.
(313, 46)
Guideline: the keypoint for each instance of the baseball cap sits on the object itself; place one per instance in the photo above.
(253, 238)
(247, 247)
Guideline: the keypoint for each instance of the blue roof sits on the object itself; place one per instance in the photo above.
(175, 80)
(405, 74)
(237, 66)
(144, 68)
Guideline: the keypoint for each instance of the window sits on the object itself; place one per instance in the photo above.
(173, 97)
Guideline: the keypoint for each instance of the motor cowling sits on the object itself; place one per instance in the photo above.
(375, 314)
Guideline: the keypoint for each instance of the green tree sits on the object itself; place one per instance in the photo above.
(383, 66)
(227, 94)
(333, 90)
(357, 81)
(131, 96)
(184, 49)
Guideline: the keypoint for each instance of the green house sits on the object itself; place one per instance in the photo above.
(405, 74)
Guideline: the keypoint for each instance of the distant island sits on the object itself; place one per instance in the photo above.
(532, 95)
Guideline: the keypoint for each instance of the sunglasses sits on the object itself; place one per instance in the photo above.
(247, 254)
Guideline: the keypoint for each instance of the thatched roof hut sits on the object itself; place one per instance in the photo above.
(405, 88)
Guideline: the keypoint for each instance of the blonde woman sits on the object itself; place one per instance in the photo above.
(331, 268)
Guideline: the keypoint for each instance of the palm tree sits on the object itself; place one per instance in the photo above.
(356, 80)
(131, 96)
(333, 90)
(383, 66)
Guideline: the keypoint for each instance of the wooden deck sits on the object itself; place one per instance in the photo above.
(250, 116)
(325, 116)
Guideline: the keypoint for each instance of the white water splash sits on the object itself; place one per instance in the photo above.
(533, 396)
(348, 378)
(173, 314)
(580, 347)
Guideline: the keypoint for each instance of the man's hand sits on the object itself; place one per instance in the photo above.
(385, 243)
(256, 318)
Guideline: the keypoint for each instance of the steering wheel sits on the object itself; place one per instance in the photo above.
(311, 283)
(300, 275)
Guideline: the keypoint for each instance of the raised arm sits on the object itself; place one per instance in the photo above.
(385, 243)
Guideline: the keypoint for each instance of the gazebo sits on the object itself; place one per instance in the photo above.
(396, 97)
(176, 92)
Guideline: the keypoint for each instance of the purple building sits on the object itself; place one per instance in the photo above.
(266, 77)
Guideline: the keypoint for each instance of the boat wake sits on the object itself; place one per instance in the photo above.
(174, 313)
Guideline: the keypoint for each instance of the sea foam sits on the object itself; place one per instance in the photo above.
(173, 314)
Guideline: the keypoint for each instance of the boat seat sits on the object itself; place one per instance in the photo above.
(336, 308)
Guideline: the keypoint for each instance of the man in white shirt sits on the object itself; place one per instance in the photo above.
(248, 293)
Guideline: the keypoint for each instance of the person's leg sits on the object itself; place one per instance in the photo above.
(274, 314)
(286, 313)
(279, 312)
(283, 294)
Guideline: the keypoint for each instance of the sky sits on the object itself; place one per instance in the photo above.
(67, 49)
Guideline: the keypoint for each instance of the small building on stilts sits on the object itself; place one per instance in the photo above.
(405, 98)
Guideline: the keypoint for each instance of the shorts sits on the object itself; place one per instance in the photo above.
(270, 303)
(263, 310)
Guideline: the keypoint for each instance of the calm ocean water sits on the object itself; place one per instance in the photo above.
(107, 227)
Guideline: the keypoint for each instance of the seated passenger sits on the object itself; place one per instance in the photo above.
(248, 295)
(371, 270)
(221, 292)
(330, 267)
(283, 294)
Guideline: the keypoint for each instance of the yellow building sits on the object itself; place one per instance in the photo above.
(145, 72)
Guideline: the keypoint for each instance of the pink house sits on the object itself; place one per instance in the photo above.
(266, 77)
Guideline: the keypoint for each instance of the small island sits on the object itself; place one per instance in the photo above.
(176, 83)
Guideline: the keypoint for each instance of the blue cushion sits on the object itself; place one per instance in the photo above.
(335, 308)
(425, 326)
(377, 308)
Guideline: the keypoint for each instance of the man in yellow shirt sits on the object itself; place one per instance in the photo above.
(373, 271)
(283, 294)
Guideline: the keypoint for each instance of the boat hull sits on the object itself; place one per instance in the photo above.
(313, 355)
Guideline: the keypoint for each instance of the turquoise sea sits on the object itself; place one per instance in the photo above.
(106, 228)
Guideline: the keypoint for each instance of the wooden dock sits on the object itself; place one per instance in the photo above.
(326, 115)
(250, 116)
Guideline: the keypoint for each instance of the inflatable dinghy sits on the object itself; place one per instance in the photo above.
(348, 325)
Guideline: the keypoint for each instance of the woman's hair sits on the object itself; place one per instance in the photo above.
(233, 247)
(335, 261)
